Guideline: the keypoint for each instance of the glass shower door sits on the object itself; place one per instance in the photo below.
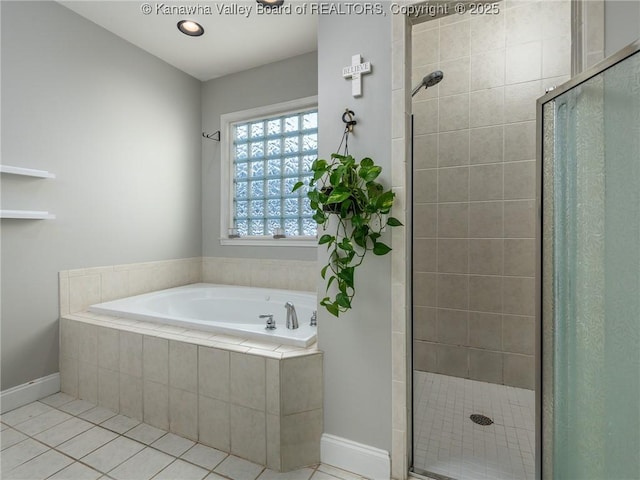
(591, 275)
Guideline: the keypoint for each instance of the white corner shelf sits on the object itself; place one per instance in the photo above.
(28, 172)
(27, 214)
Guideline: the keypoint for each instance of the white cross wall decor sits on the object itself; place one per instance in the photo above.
(355, 71)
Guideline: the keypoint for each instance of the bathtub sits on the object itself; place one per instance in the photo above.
(225, 309)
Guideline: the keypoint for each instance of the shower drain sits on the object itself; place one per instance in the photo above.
(480, 419)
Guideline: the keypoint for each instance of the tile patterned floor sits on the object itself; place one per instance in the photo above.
(62, 438)
(447, 442)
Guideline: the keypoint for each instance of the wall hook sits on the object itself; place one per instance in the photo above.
(212, 136)
(350, 122)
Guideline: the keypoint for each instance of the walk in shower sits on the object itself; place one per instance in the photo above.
(474, 271)
(590, 132)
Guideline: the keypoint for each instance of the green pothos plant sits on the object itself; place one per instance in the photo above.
(347, 191)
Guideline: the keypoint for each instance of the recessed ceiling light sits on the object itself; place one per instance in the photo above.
(271, 3)
(191, 28)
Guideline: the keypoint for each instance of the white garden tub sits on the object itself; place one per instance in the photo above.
(226, 309)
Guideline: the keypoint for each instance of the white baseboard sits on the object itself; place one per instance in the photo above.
(355, 457)
(29, 392)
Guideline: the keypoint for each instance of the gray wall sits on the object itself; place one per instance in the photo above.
(622, 24)
(121, 130)
(357, 346)
(277, 82)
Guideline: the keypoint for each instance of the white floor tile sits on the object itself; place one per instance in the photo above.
(173, 444)
(239, 469)
(9, 437)
(120, 423)
(20, 453)
(181, 470)
(338, 473)
(142, 466)
(76, 407)
(145, 433)
(112, 454)
(214, 476)
(63, 432)
(97, 415)
(22, 414)
(76, 471)
(42, 422)
(86, 442)
(39, 468)
(57, 399)
(301, 474)
(206, 457)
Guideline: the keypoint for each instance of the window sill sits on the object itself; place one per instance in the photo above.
(270, 242)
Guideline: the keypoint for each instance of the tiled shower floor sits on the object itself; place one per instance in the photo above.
(61, 438)
(448, 443)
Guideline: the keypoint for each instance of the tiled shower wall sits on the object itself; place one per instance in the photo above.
(474, 186)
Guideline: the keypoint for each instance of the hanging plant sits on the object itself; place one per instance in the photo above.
(347, 191)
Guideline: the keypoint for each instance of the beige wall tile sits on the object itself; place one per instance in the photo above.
(524, 23)
(519, 370)
(131, 396)
(518, 334)
(300, 434)
(131, 354)
(425, 323)
(524, 62)
(63, 293)
(88, 382)
(452, 360)
(425, 356)
(115, 284)
(425, 47)
(519, 257)
(425, 116)
(88, 344)
(519, 295)
(485, 366)
(556, 56)
(425, 186)
(248, 434)
(485, 256)
(487, 69)
(453, 184)
(424, 289)
(248, 381)
(453, 326)
(213, 423)
(453, 148)
(454, 112)
(155, 359)
(425, 151)
(453, 255)
(213, 373)
(457, 77)
(556, 18)
(485, 330)
(301, 384)
(485, 220)
(454, 41)
(156, 404)
(424, 255)
(69, 338)
(425, 218)
(519, 219)
(486, 107)
(273, 387)
(485, 293)
(486, 182)
(487, 32)
(183, 366)
(84, 290)
(520, 101)
(520, 141)
(486, 145)
(109, 389)
(453, 220)
(453, 291)
(109, 348)
(69, 375)
(183, 413)
(273, 443)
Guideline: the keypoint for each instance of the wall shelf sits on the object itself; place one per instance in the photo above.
(27, 214)
(28, 172)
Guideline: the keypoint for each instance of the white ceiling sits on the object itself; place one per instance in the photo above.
(231, 43)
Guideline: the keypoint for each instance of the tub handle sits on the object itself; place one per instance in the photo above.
(271, 323)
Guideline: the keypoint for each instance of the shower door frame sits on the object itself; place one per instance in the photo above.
(545, 300)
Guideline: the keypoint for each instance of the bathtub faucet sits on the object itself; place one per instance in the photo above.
(292, 316)
(271, 323)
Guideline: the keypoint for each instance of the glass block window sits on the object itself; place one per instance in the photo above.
(270, 156)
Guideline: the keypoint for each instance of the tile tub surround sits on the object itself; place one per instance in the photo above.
(80, 288)
(88, 441)
(474, 178)
(258, 401)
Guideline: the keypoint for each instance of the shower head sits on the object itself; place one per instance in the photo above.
(429, 81)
